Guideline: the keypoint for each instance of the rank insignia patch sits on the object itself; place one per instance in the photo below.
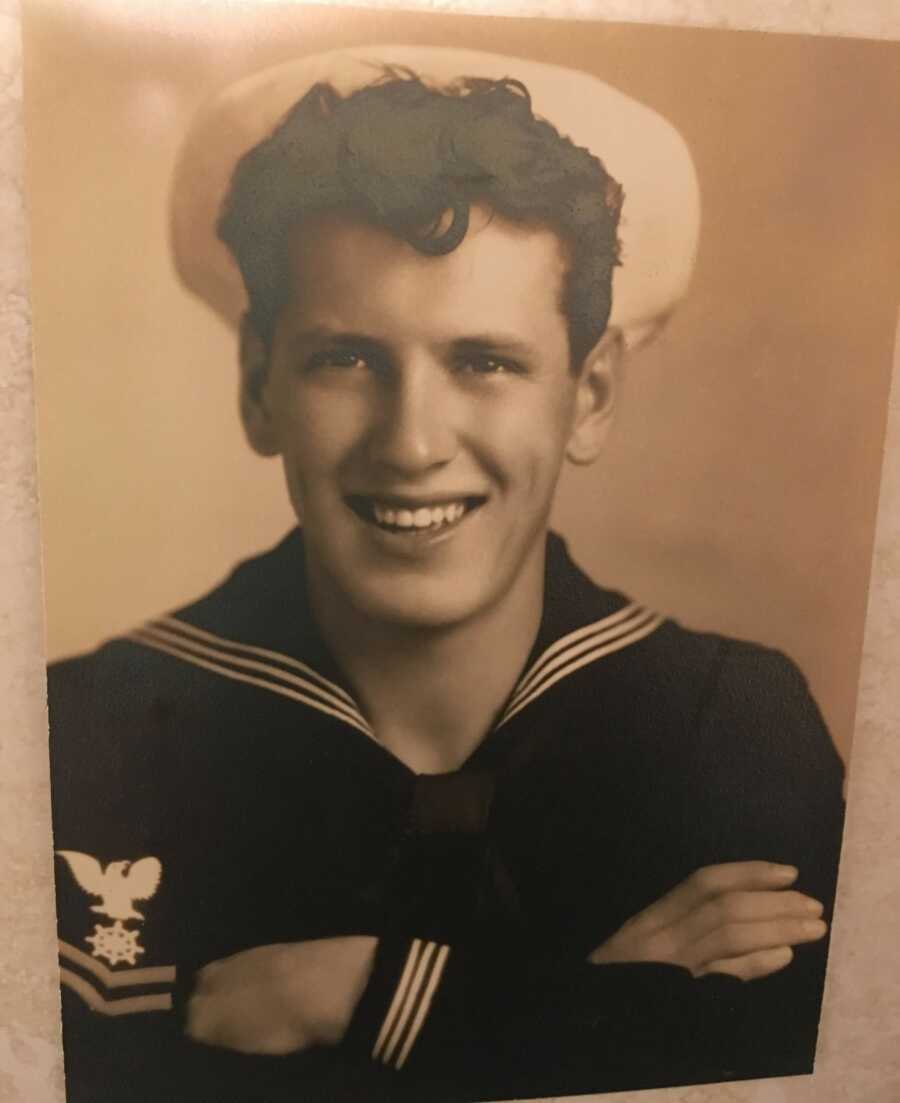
(118, 886)
(124, 985)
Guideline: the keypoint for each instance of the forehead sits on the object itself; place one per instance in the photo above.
(349, 274)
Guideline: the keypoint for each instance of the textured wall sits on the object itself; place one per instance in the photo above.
(859, 1052)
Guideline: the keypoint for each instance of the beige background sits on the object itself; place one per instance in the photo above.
(859, 1052)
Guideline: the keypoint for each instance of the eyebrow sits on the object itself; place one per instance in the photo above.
(325, 335)
(492, 342)
(474, 342)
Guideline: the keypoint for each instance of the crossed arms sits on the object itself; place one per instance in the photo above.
(698, 985)
(737, 920)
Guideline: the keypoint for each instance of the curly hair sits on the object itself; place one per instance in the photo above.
(412, 159)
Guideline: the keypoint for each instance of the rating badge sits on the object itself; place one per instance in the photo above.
(117, 886)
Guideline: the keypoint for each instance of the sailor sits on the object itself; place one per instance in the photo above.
(410, 806)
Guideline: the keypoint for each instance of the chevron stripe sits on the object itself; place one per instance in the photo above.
(160, 974)
(129, 1005)
(574, 660)
(269, 677)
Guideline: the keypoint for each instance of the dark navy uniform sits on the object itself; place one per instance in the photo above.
(223, 743)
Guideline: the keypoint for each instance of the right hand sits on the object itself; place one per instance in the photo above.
(738, 918)
(280, 998)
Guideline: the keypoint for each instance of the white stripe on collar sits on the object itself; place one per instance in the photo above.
(575, 650)
(243, 648)
(608, 627)
(321, 688)
(319, 694)
(292, 678)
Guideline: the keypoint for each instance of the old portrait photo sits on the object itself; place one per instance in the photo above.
(459, 448)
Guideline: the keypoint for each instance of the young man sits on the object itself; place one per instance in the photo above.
(411, 807)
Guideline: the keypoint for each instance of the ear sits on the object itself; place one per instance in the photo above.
(599, 383)
(255, 415)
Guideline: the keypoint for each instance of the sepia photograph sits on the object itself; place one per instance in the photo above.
(459, 443)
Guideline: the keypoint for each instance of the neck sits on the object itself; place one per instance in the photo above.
(433, 693)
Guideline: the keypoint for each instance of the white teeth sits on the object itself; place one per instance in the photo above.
(422, 518)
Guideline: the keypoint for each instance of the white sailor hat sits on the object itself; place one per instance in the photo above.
(641, 150)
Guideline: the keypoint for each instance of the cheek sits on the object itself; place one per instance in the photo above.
(525, 441)
(319, 435)
(305, 464)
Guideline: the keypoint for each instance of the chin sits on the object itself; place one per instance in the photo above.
(416, 606)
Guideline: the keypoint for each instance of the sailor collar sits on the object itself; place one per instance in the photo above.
(258, 628)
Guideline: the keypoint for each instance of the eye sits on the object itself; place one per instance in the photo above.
(336, 359)
(485, 364)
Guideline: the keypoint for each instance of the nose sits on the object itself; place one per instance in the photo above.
(414, 431)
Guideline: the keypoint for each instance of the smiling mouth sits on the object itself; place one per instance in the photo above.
(411, 518)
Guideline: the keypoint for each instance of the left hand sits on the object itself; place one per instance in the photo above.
(738, 918)
(281, 998)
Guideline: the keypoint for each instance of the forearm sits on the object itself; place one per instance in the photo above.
(510, 1025)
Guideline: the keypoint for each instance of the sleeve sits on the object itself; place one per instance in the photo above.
(116, 951)
(502, 1025)
(772, 784)
(765, 784)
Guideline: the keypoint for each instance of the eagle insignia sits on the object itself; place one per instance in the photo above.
(117, 886)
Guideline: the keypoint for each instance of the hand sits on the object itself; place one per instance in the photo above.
(282, 998)
(737, 918)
